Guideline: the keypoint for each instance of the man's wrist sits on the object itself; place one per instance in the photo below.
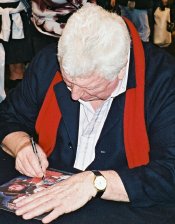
(100, 183)
(15, 141)
(20, 146)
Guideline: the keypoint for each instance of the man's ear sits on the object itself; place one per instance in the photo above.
(122, 73)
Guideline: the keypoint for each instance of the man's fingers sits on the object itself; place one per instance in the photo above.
(25, 164)
(18, 166)
(53, 190)
(28, 163)
(41, 206)
(34, 165)
(22, 169)
(38, 207)
(44, 161)
(40, 162)
(58, 211)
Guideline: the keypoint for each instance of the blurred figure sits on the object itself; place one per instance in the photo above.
(162, 34)
(137, 12)
(2, 64)
(15, 37)
(49, 18)
(110, 5)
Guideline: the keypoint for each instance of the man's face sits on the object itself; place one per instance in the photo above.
(90, 88)
(16, 187)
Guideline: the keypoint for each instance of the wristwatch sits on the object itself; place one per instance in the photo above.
(100, 183)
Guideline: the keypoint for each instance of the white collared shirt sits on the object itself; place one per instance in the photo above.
(91, 124)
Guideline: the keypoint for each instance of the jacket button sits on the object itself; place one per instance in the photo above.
(70, 146)
(102, 151)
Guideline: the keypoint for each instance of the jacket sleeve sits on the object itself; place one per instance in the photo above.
(18, 112)
(154, 183)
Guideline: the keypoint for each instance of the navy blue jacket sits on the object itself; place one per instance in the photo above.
(146, 185)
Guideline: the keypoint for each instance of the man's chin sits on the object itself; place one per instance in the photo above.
(92, 99)
(89, 99)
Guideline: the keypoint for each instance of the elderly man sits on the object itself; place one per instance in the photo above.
(101, 115)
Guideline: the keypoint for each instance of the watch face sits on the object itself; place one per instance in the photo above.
(100, 183)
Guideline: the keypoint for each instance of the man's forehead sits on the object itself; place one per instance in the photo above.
(86, 79)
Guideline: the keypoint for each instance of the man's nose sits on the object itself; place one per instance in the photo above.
(76, 92)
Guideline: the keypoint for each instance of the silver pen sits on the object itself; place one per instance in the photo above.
(36, 153)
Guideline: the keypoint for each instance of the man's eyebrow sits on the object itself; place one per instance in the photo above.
(82, 86)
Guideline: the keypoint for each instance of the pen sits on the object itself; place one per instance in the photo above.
(36, 153)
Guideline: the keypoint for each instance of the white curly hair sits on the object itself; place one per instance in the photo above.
(94, 41)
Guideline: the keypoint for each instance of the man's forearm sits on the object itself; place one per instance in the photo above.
(15, 141)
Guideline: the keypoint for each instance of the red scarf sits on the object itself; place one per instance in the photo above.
(135, 134)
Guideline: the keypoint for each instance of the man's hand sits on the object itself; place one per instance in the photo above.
(18, 145)
(27, 162)
(64, 197)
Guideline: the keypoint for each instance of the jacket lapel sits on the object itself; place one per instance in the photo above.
(114, 115)
(69, 110)
(117, 108)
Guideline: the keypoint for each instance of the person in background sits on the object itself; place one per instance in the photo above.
(104, 112)
(110, 5)
(162, 34)
(137, 12)
(49, 18)
(15, 37)
(2, 68)
(164, 26)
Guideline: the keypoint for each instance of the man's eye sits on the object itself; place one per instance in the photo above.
(92, 88)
